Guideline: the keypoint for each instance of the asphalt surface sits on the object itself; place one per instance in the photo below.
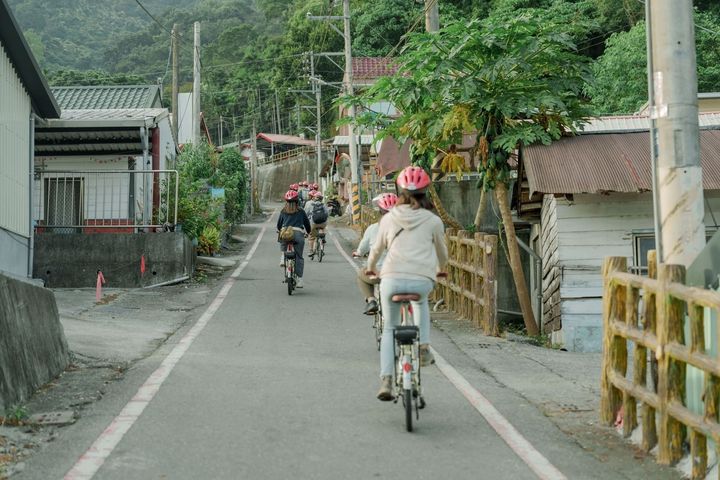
(279, 387)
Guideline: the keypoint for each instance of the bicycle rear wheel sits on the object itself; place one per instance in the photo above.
(290, 279)
(408, 404)
(321, 252)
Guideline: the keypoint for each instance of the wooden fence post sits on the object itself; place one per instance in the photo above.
(649, 430)
(490, 285)
(465, 304)
(449, 293)
(478, 281)
(671, 373)
(614, 347)
(632, 298)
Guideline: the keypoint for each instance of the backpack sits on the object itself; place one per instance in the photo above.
(319, 215)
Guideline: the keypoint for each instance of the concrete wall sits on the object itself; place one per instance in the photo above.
(33, 349)
(275, 179)
(72, 260)
(14, 253)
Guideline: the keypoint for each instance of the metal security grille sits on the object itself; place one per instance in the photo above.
(64, 202)
(111, 200)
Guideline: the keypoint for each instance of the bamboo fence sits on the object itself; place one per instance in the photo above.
(470, 289)
(650, 312)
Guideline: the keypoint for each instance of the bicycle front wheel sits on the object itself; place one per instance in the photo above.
(408, 403)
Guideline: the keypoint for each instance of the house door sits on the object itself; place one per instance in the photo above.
(63, 204)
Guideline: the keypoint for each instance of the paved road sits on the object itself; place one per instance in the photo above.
(278, 387)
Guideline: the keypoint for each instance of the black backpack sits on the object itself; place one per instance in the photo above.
(319, 215)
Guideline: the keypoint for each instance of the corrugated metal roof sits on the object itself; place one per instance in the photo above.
(638, 123)
(611, 162)
(284, 139)
(108, 97)
(362, 139)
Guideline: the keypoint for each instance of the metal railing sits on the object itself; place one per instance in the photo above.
(88, 201)
(650, 313)
(296, 152)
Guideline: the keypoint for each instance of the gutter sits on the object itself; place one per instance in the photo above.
(31, 186)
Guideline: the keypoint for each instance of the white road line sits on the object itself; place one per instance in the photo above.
(90, 462)
(540, 465)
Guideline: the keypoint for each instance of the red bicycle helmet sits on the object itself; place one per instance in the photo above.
(291, 196)
(294, 187)
(304, 183)
(317, 195)
(386, 201)
(413, 179)
(314, 186)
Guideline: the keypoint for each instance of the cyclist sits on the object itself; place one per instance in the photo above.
(384, 202)
(293, 216)
(303, 192)
(416, 252)
(318, 214)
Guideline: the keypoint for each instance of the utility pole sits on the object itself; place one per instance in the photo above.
(676, 111)
(349, 90)
(432, 16)
(317, 88)
(277, 111)
(220, 132)
(254, 200)
(196, 85)
(175, 80)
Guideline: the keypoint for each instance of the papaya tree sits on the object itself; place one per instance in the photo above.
(511, 81)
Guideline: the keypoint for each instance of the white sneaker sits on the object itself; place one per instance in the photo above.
(299, 283)
(282, 259)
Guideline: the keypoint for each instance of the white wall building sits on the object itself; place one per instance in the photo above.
(25, 100)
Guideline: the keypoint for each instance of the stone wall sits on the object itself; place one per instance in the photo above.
(33, 349)
(274, 179)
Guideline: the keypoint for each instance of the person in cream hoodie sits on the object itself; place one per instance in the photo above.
(416, 252)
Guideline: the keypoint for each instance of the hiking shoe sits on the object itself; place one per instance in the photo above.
(371, 308)
(426, 357)
(299, 284)
(385, 392)
(312, 256)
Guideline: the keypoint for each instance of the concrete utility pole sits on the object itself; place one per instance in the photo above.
(277, 111)
(352, 144)
(196, 85)
(317, 88)
(676, 110)
(254, 200)
(432, 16)
(175, 79)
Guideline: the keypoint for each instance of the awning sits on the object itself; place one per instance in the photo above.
(392, 157)
(361, 140)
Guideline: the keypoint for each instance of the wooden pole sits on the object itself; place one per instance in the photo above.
(630, 421)
(671, 373)
(490, 284)
(613, 306)
(175, 80)
(649, 429)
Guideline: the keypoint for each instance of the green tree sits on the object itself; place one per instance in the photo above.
(513, 81)
(63, 78)
(621, 72)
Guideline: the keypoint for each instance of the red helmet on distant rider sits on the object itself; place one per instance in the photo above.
(294, 187)
(317, 195)
(304, 183)
(314, 186)
(413, 179)
(291, 196)
(386, 201)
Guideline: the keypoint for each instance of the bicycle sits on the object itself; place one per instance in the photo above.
(408, 385)
(289, 267)
(319, 250)
(378, 321)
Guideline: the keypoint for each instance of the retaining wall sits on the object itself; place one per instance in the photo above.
(274, 179)
(72, 260)
(33, 349)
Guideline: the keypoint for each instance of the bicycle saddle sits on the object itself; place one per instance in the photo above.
(405, 297)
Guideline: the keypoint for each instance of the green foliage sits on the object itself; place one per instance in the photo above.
(16, 413)
(621, 72)
(513, 80)
(209, 240)
(61, 78)
(232, 174)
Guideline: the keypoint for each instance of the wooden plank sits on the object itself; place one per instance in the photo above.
(614, 348)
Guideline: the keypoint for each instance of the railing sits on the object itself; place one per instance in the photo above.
(282, 156)
(650, 312)
(470, 290)
(91, 201)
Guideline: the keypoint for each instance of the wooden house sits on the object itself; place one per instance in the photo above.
(25, 100)
(589, 197)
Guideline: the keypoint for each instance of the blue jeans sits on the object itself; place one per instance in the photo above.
(391, 312)
(299, 246)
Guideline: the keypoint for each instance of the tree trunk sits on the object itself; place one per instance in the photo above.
(481, 209)
(447, 219)
(501, 192)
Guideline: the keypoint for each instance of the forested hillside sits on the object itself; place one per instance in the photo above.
(253, 49)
